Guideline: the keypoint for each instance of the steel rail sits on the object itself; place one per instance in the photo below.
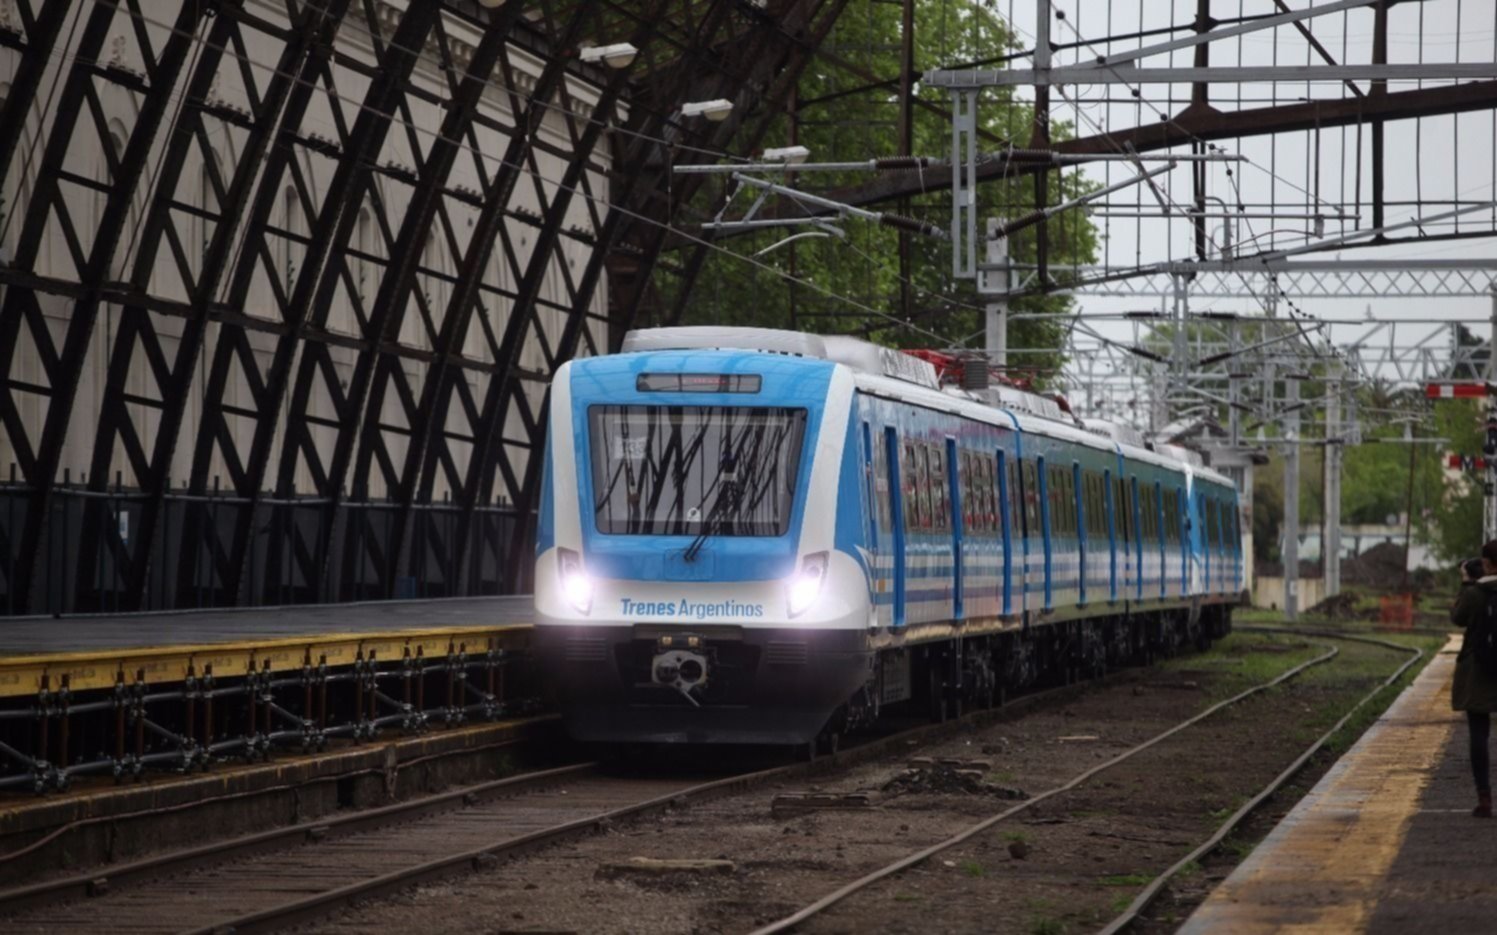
(831, 899)
(97, 881)
(191, 804)
(100, 880)
(1149, 893)
(319, 904)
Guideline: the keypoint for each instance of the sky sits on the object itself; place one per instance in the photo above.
(1441, 161)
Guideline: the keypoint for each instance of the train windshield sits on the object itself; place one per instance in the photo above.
(694, 470)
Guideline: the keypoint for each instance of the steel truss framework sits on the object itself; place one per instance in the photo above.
(124, 533)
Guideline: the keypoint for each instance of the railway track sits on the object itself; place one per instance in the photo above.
(272, 879)
(1151, 891)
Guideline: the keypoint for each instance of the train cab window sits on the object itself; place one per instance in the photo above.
(685, 470)
(1211, 522)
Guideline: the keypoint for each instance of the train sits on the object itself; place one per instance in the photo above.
(758, 536)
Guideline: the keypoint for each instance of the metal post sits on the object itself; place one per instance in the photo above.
(1330, 539)
(1291, 498)
(996, 275)
(1489, 490)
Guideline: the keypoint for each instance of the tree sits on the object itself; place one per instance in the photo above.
(864, 267)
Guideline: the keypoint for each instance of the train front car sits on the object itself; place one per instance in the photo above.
(696, 580)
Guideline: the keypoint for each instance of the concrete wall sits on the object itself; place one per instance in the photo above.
(1269, 592)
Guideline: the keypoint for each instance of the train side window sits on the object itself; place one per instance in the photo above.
(964, 478)
(909, 474)
(991, 506)
(1068, 480)
(1122, 511)
(987, 481)
(1097, 508)
(940, 498)
(1054, 495)
(1031, 499)
(881, 484)
(922, 486)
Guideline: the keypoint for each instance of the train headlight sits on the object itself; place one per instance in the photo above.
(576, 586)
(805, 587)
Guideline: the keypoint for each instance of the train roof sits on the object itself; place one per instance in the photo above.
(892, 373)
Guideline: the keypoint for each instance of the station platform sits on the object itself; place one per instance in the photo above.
(1384, 843)
(91, 652)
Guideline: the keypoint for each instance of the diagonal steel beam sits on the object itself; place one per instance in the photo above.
(334, 224)
(394, 295)
(437, 388)
(125, 183)
(136, 328)
(506, 383)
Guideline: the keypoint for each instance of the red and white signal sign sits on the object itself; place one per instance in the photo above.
(1466, 390)
(1465, 462)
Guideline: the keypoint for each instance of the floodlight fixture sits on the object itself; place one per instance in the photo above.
(715, 110)
(792, 155)
(617, 55)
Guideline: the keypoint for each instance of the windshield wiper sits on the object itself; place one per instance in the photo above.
(763, 453)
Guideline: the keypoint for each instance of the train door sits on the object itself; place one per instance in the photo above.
(1005, 517)
(897, 524)
(954, 485)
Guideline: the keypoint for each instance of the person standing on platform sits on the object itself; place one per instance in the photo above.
(1474, 688)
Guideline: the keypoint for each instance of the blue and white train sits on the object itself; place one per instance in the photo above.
(759, 536)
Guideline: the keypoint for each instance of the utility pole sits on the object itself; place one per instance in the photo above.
(1291, 497)
(1330, 539)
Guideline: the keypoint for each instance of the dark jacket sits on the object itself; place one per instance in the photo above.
(1472, 689)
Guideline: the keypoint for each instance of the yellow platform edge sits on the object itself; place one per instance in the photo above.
(95, 669)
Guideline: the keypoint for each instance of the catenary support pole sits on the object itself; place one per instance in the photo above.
(1291, 497)
(1489, 490)
(996, 277)
(1330, 554)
